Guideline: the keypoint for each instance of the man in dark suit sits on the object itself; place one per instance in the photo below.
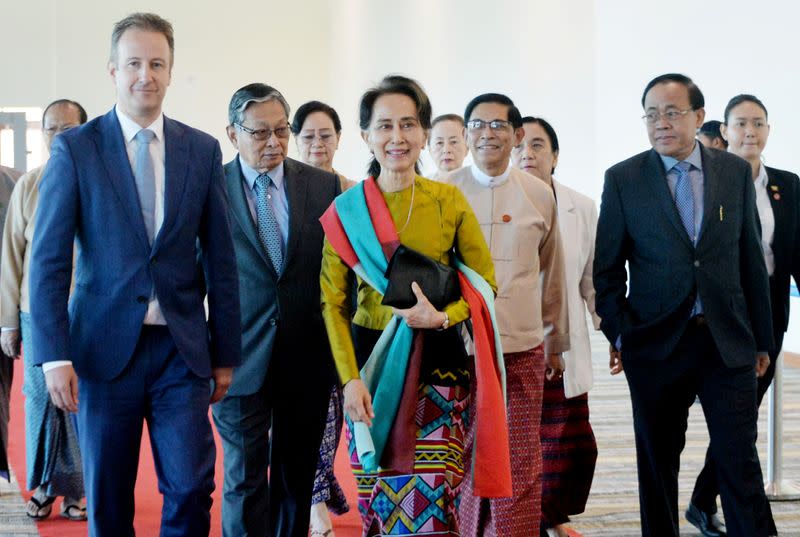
(287, 370)
(141, 195)
(696, 317)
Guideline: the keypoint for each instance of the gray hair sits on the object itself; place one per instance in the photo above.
(149, 22)
(253, 93)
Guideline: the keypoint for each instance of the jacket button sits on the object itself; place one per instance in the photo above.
(273, 322)
(141, 299)
(153, 261)
(696, 263)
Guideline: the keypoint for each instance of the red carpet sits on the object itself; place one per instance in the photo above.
(148, 499)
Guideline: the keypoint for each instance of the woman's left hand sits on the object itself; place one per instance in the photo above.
(423, 314)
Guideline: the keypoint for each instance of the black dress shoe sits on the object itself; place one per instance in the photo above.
(708, 523)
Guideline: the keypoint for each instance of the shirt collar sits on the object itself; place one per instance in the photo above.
(250, 174)
(695, 159)
(130, 128)
(761, 178)
(488, 180)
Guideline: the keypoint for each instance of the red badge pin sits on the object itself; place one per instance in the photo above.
(776, 196)
(506, 218)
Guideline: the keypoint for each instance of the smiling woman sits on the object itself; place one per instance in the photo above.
(412, 486)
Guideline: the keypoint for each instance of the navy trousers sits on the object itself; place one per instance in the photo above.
(661, 393)
(159, 388)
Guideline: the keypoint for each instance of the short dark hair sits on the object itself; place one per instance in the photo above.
(744, 98)
(514, 117)
(394, 84)
(713, 131)
(149, 22)
(81, 111)
(447, 117)
(551, 132)
(249, 94)
(696, 98)
(309, 108)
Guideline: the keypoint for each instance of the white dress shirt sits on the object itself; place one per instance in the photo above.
(129, 130)
(767, 218)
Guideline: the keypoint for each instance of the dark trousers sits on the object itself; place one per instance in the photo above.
(706, 488)
(157, 387)
(661, 393)
(279, 427)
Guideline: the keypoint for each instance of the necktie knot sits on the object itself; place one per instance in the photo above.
(683, 167)
(144, 136)
(263, 181)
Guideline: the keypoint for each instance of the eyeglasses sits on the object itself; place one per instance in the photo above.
(265, 134)
(535, 145)
(325, 138)
(670, 115)
(495, 124)
(51, 131)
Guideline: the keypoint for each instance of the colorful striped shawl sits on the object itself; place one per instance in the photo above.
(366, 249)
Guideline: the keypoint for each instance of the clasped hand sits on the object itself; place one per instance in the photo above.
(357, 400)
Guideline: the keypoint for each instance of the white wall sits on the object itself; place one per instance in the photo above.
(582, 64)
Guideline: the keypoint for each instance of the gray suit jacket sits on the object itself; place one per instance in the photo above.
(282, 317)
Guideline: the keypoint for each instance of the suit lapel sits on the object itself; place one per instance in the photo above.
(241, 209)
(712, 179)
(296, 191)
(775, 187)
(176, 166)
(566, 213)
(657, 180)
(111, 146)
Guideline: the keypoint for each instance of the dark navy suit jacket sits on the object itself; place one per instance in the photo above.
(89, 199)
(639, 225)
(784, 195)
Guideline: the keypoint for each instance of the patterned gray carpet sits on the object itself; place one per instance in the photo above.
(613, 508)
(13, 520)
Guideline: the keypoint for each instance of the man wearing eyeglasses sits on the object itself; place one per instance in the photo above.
(695, 320)
(287, 372)
(518, 216)
(52, 468)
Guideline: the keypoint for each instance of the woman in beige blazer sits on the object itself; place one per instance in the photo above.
(569, 450)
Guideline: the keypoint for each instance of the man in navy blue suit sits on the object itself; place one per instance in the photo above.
(695, 320)
(143, 198)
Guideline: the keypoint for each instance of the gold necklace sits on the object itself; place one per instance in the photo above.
(410, 207)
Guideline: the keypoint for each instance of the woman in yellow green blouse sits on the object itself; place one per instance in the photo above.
(417, 481)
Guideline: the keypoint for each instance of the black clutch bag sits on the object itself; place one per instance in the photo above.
(438, 282)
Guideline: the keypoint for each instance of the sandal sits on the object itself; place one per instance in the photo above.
(39, 509)
(73, 510)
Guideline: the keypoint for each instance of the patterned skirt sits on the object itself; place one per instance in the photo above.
(518, 516)
(326, 486)
(52, 455)
(424, 501)
(569, 453)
